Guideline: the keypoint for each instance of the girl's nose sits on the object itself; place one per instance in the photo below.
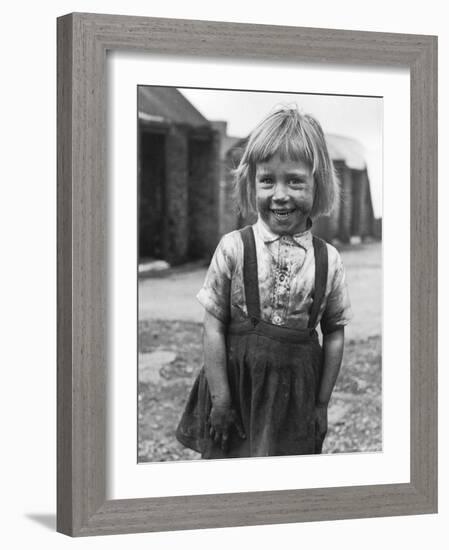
(280, 192)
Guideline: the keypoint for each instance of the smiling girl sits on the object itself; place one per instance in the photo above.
(266, 382)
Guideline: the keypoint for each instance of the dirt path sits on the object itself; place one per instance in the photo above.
(172, 297)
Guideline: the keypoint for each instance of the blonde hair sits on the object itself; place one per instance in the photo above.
(293, 136)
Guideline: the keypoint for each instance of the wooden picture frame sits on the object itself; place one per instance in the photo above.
(83, 40)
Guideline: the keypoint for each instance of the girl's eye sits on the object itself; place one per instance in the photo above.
(266, 180)
(297, 182)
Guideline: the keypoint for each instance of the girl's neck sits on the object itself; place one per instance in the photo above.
(306, 226)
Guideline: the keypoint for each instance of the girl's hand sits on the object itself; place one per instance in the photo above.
(320, 425)
(223, 418)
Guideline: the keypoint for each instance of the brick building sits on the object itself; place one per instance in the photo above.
(178, 174)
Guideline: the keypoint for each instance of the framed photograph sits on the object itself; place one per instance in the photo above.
(173, 137)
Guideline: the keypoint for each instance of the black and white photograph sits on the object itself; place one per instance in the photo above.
(259, 274)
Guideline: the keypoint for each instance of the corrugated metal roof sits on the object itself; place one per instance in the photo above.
(168, 105)
(346, 149)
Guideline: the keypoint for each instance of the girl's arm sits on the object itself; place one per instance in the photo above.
(333, 345)
(223, 417)
(214, 342)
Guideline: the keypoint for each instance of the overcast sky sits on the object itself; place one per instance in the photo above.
(359, 118)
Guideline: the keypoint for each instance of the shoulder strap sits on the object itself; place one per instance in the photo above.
(321, 268)
(250, 277)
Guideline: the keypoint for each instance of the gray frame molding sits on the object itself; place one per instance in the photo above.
(83, 40)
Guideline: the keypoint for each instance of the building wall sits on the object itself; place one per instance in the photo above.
(152, 194)
(177, 196)
(203, 195)
(367, 228)
(182, 224)
(346, 200)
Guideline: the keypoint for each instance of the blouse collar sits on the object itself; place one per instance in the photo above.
(303, 239)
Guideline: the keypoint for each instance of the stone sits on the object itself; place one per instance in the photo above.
(337, 413)
(154, 266)
(151, 363)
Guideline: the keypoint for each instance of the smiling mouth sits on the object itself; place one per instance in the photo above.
(282, 213)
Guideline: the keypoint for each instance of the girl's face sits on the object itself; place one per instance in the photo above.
(284, 194)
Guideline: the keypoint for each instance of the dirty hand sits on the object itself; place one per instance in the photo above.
(223, 418)
(321, 420)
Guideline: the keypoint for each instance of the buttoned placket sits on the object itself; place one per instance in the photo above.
(281, 290)
(282, 251)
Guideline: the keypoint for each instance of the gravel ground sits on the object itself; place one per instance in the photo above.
(170, 355)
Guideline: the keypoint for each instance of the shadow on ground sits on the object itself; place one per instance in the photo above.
(46, 520)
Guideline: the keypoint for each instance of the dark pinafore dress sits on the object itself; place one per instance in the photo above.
(274, 376)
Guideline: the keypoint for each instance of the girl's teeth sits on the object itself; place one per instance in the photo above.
(278, 213)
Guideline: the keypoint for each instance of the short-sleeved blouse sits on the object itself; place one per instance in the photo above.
(286, 272)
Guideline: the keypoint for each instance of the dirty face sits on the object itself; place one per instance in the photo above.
(284, 194)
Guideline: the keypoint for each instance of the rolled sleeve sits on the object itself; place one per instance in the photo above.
(214, 295)
(338, 312)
